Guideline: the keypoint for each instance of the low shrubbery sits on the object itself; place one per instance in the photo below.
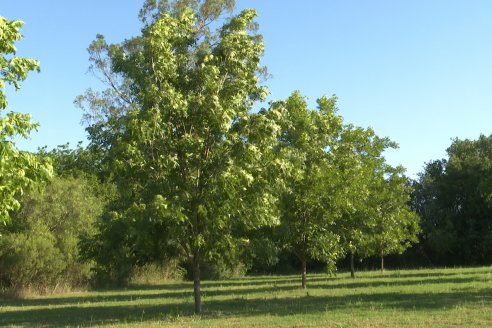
(39, 247)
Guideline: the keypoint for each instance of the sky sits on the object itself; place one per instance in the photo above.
(418, 72)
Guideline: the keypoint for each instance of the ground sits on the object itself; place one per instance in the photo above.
(410, 298)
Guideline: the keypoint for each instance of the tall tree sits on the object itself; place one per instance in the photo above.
(359, 159)
(453, 199)
(188, 155)
(310, 204)
(19, 170)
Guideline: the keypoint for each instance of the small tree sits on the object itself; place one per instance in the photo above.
(310, 206)
(359, 159)
(394, 225)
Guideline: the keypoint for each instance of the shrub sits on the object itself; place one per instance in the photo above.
(157, 272)
(39, 247)
(30, 261)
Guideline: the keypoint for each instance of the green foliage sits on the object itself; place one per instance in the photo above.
(119, 246)
(76, 162)
(330, 205)
(188, 157)
(19, 170)
(310, 205)
(39, 248)
(200, 177)
(395, 225)
(453, 199)
(359, 161)
(262, 253)
(29, 260)
(154, 273)
(13, 69)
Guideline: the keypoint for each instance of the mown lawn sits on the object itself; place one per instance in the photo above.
(410, 298)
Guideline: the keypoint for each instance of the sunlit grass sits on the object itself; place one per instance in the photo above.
(410, 298)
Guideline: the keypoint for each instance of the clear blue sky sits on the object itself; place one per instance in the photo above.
(419, 71)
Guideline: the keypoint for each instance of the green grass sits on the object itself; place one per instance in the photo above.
(410, 298)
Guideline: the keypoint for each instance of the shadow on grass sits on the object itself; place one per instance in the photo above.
(242, 298)
(172, 292)
(397, 274)
(239, 307)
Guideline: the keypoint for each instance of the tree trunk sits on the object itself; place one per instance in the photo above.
(196, 285)
(352, 267)
(382, 263)
(304, 284)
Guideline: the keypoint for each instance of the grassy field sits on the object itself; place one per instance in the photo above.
(410, 298)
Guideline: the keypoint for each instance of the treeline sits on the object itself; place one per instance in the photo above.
(453, 198)
(180, 171)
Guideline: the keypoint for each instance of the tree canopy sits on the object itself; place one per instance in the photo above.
(453, 197)
(19, 170)
(188, 155)
(183, 166)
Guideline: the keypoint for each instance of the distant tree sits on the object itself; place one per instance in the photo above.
(395, 226)
(79, 162)
(359, 161)
(326, 210)
(309, 207)
(453, 198)
(19, 170)
(189, 158)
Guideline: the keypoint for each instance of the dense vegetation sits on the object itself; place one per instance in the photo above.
(454, 200)
(180, 172)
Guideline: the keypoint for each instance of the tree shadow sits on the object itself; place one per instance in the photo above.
(251, 282)
(172, 300)
(396, 274)
(239, 307)
(317, 304)
(392, 282)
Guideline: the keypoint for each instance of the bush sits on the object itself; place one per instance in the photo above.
(30, 261)
(217, 270)
(39, 247)
(155, 273)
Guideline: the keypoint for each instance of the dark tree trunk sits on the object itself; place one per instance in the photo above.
(382, 263)
(304, 278)
(196, 285)
(352, 267)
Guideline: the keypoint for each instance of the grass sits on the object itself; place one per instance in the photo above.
(410, 298)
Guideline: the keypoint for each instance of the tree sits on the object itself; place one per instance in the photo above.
(328, 186)
(310, 204)
(359, 159)
(453, 199)
(189, 157)
(395, 227)
(19, 170)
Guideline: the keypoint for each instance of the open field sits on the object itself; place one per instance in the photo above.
(410, 298)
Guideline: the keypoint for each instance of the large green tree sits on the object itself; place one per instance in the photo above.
(188, 155)
(19, 170)
(453, 199)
